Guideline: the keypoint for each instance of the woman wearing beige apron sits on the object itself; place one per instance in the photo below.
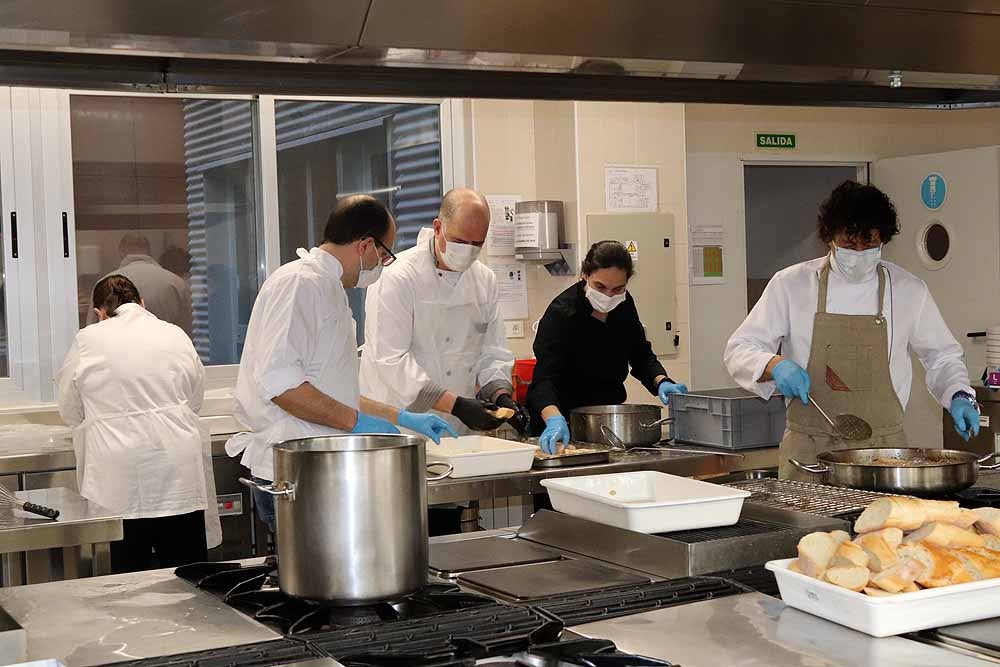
(845, 325)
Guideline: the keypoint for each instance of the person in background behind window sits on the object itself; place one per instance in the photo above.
(165, 294)
(131, 387)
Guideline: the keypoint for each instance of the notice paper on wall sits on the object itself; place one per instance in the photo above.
(512, 284)
(500, 238)
(707, 255)
(630, 190)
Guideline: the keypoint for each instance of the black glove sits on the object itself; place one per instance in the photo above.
(520, 419)
(473, 413)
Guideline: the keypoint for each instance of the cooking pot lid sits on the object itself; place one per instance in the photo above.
(350, 443)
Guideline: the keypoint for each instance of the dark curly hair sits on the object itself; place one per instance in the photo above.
(857, 210)
(607, 254)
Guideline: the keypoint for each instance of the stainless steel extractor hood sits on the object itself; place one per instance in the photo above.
(943, 52)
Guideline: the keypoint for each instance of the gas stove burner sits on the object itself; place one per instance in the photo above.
(580, 652)
(978, 496)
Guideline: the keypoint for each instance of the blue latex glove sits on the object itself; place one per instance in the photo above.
(966, 417)
(426, 424)
(371, 424)
(667, 387)
(792, 381)
(556, 429)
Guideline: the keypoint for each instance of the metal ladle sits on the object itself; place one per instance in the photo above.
(849, 427)
(616, 444)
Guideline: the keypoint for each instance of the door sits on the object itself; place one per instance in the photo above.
(953, 247)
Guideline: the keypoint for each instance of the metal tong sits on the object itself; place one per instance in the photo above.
(616, 444)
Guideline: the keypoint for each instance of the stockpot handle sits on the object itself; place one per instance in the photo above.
(993, 466)
(665, 420)
(814, 468)
(286, 488)
(447, 473)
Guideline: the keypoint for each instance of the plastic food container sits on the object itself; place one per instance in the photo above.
(729, 418)
(647, 501)
(475, 455)
(887, 616)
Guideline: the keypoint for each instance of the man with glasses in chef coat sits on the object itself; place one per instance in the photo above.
(298, 375)
(434, 334)
(846, 324)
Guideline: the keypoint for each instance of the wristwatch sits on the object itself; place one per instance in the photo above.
(969, 397)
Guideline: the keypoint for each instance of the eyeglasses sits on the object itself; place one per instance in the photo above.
(389, 257)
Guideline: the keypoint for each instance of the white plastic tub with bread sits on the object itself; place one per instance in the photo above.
(912, 565)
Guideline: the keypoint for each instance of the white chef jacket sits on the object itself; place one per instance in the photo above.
(428, 330)
(164, 293)
(784, 315)
(131, 386)
(301, 330)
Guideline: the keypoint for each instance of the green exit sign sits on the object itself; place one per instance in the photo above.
(775, 140)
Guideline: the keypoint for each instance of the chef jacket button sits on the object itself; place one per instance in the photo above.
(448, 339)
(448, 373)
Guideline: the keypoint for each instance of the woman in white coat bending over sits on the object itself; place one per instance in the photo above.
(131, 386)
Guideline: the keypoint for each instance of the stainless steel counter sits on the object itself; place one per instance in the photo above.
(756, 630)
(36, 455)
(123, 617)
(525, 483)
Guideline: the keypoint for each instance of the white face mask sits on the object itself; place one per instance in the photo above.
(368, 277)
(858, 265)
(459, 256)
(601, 302)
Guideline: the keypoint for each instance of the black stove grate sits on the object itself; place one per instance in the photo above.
(580, 608)
(754, 578)
(264, 654)
(742, 528)
(494, 630)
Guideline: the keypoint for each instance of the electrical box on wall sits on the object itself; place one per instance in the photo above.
(649, 239)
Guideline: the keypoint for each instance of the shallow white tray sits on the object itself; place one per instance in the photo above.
(892, 615)
(476, 455)
(647, 501)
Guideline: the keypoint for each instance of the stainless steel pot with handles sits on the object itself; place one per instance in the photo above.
(633, 424)
(351, 516)
(907, 470)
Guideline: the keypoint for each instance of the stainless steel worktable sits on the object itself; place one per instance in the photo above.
(757, 630)
(530, 482)
(36, 454)
(74, 545)
(122, 617)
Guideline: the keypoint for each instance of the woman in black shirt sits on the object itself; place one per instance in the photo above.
(588, 339)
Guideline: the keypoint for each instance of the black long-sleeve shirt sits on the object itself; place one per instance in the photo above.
(583, 361)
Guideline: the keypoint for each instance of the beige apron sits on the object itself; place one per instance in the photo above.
(849, 374)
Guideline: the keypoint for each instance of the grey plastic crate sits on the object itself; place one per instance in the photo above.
(729, 418)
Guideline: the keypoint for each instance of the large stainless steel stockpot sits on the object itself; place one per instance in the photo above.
(634, 425)
(351, 517)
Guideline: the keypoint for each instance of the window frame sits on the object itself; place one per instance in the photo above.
(41, 284)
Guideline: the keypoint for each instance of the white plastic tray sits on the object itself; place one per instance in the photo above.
(647, 501)
(475, 455)
(886, 616)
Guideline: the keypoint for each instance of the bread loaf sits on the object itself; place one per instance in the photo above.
(988, 520)
(880, 555)
(849, 554)
(945, 535)
(942, 566)
(992, 541)
(840, 536)
(501, 413)
(815, 553)
(853, 578)
(896, 578)
(909, 514)
(979, 563)
(877, 592)
(892, 536)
